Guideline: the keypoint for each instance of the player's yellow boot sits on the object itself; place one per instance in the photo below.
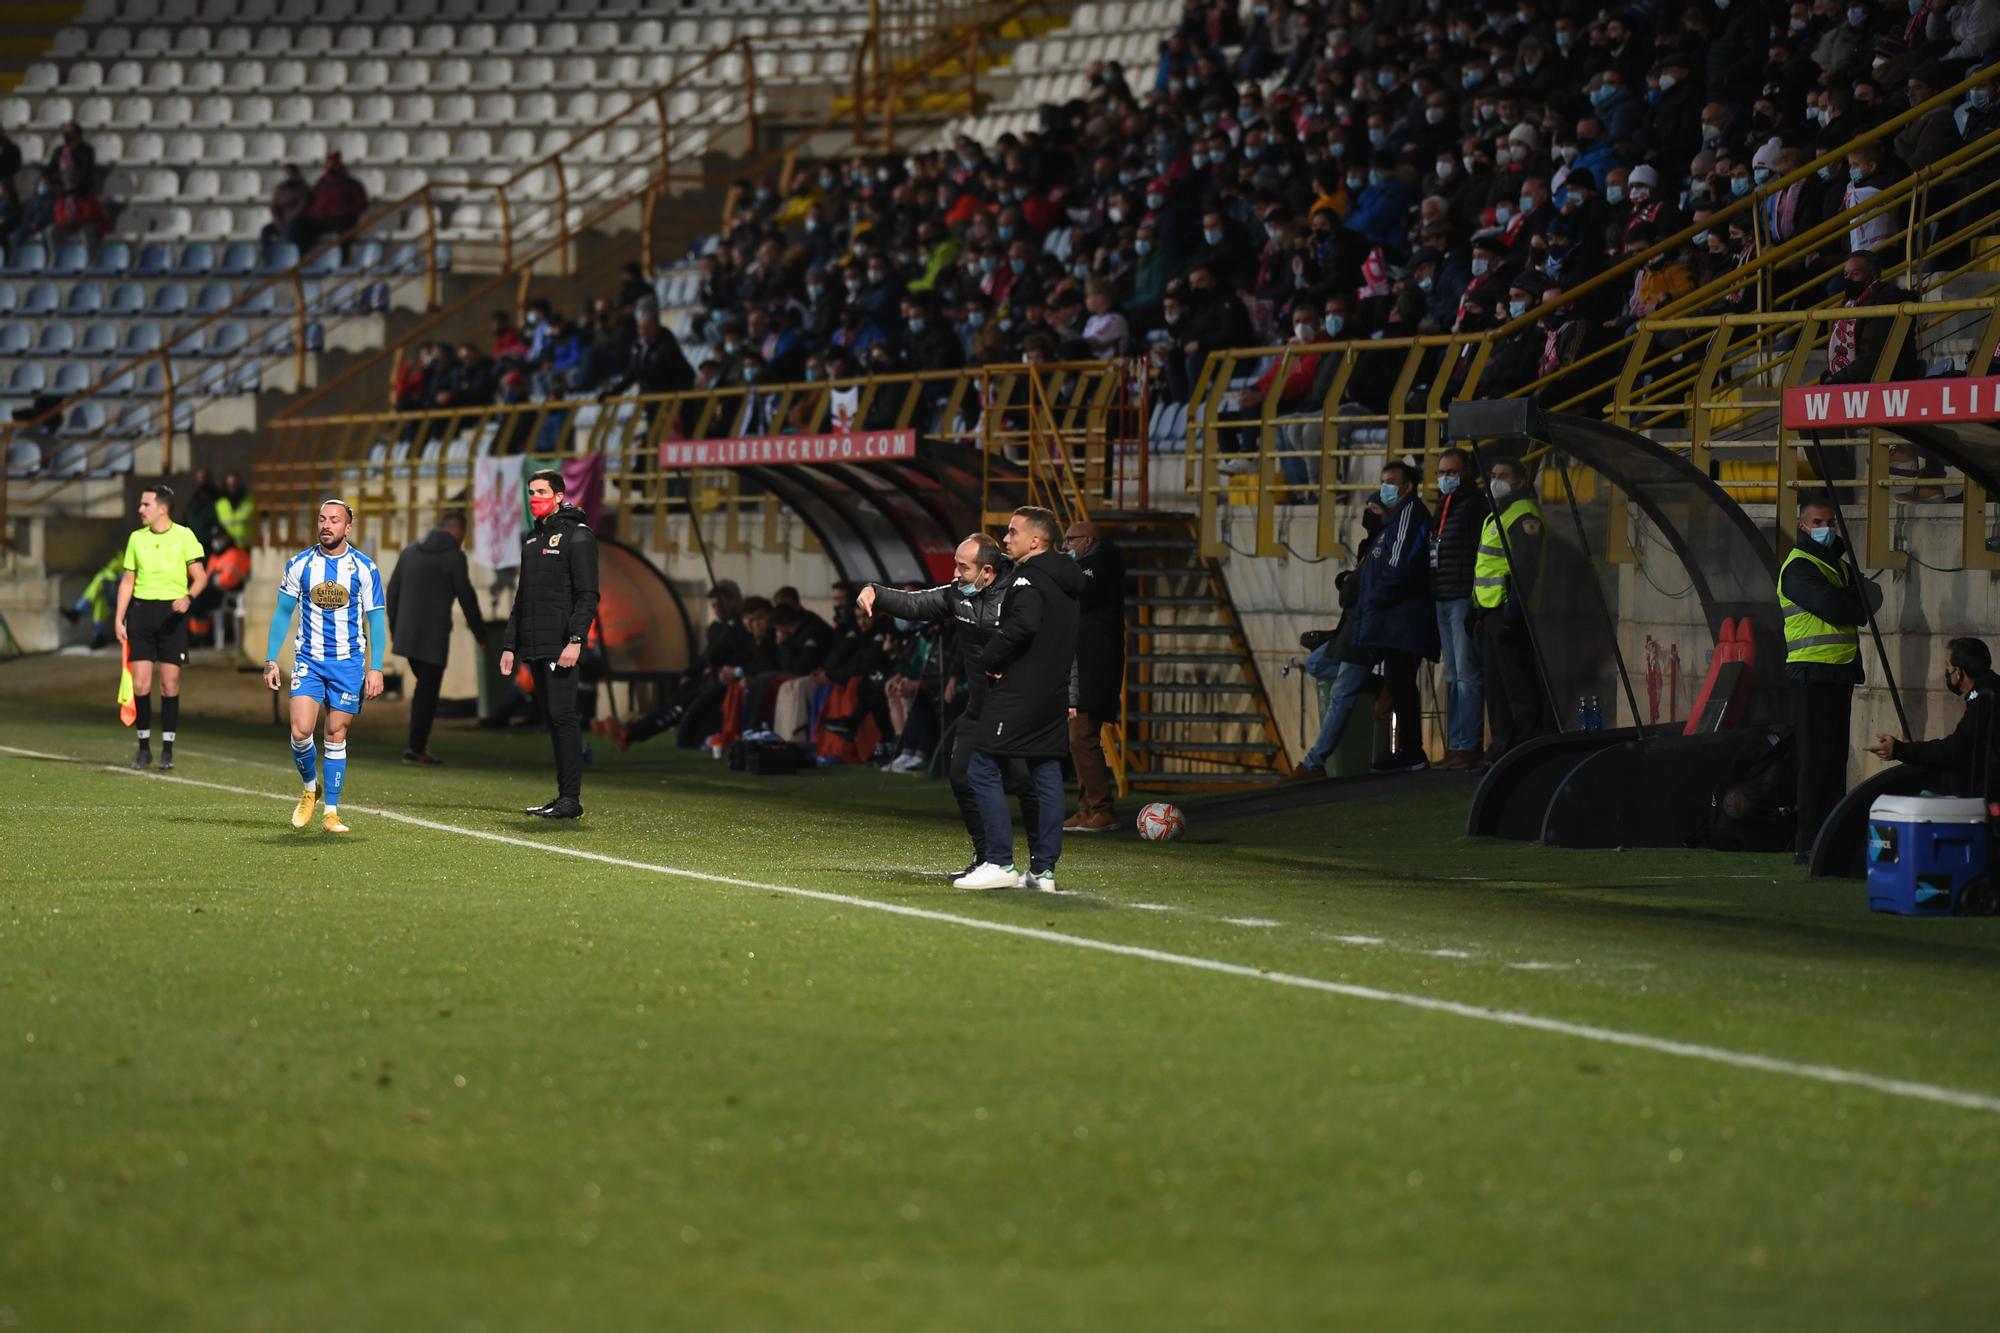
(302, 813)
(331, 823)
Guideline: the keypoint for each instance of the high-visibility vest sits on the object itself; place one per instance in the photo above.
(1490, 566)
(234, 516)
(1807, 637)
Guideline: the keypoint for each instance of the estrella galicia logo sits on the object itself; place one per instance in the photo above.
(1881, 843)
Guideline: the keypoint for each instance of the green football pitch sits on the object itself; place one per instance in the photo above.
(731, 1054)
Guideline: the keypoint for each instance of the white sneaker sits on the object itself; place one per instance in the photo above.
(1236, 466)
(990, 876)
(1044, 882)
(909, 763)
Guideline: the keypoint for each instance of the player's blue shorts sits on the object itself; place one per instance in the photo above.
(335, 684)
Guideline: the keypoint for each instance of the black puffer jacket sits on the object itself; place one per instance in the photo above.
(1033, 652)
(1454, 543)
(1100, 633)
(556, 598)
(973, 620)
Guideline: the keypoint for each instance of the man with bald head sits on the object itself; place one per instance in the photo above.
(1100, 672)
(971, 605)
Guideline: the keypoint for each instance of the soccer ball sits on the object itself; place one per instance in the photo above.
(1159, 822)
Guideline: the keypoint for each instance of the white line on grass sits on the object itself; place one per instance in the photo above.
(1718, 1055)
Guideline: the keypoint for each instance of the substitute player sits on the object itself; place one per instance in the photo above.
(337, 592)
(163, 574)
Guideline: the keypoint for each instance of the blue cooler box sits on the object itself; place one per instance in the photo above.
(1923, 851)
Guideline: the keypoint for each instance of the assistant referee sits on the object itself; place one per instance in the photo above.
(163, 574)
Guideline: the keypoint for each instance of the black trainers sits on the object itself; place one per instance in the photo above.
(1403, 761)
(166, 758)
(563, 807)
(543, 808)
(143, 759)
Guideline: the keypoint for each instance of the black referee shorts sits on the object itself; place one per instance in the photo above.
(156, 633)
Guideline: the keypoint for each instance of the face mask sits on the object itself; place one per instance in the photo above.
(1195, 160)
(1763, 175)
(1447, 169)
(1356, 182)
(1155, 200)
(1143, 246)
(1390, 493)
(975, 318)
(1500, 490)
(1516, 309)
(1667, 82)
(1978, 99)
(1212, 235)
(1378, 136)
(1333, 324)
(916, 324)
(1567, 152)
(1448, 483)
(1006, 324)
(1434, 115)
(1711, 133)
(1018, 265)
(1824, 536)
(541, 506)
(1527, 204)
(987, 263)
(1172, 316)
(1739, 186)
(905, 625)
(1602, 93)
(1563, 39)
(1375, 177)
(749, 374)
(1857, 17)
(1502, 214)
(1479, 267)
(1304, 333)
(1701, 237)
(1474, 77)
(1641, 193)
(812, 373)
(968, 590)
(1954, 686)
(1614, 194)
(1852, 288)
(1425, 283)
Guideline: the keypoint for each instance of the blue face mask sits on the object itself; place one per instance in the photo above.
(1763, 175)
(1448, 483)
(1826, 173)
(1143, 246)
(975, 318)
(1333, 324)
(968, 590)
(916, 326)
(1390, 493)
(1701, 238)
(1739, 185)
(1516, 309)
(1479, 267)
(1824, 536)
(1614, 194)
(1854, 174)
(1213, 237)
(1018, 265)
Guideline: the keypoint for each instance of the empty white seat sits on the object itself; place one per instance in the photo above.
(357, 40)
(536, 108)
(334, 109)
(374, 109)
(154, 40)
(203, 75)
(285, 75)
(214, 113)
(364, 74)
(472, 146)
(416, 109)
(312, 41)
(134, 109)
(226, 146)
(192, 40)
(326, 72)
(452, 72)
(454, 109)
(93, 110)
(246, 74)
(497, 108)
(601, 37)
(437, 37)
(517, 37)
(84, 76)
(253, 110)
(395, 39)
(293, 110)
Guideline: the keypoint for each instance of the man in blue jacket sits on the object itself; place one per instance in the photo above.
(1397, 618)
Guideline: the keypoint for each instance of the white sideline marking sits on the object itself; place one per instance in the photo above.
(1718, 1055)
(1153, 907)
(1258, 921)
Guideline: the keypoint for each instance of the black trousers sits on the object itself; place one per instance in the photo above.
(1514, 703)
(424, 701)
(555, 690)
(1015, 777)
(1399, 674)
(1820, 717)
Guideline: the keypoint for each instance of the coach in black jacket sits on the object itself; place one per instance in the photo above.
(1025, 715)
(554, 605)
(971, 605)
(429, 576)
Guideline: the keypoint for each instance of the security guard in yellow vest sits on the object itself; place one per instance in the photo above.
(1504, 574)
(1821, 597)
(235, 510)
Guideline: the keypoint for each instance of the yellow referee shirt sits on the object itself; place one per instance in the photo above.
(159, 562)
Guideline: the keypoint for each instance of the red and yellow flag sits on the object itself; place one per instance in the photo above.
(128, 710)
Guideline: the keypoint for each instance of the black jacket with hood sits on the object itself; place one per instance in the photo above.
(973, 620)
(1032, 652)
(556, 598)
(1968, 760)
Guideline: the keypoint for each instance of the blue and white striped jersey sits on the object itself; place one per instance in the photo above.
(335, 595)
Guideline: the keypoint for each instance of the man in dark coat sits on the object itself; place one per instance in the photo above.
(1454, 539)
(971, 605)
(1396, 618)
(1026, 713)
(554, 605)
(1822, 597)
(1100, 671)
(1967, 762)
(430, 575)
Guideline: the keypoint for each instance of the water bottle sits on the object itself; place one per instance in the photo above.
(1583, 712)
(1596, 715)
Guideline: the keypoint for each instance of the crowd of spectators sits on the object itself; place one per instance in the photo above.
(1349, 170)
